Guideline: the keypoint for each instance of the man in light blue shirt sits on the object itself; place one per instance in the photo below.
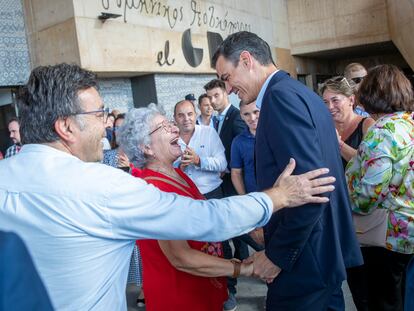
(80, 218)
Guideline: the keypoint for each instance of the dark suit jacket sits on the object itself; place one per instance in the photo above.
(232, 126)
(20, 285)
(312, 244)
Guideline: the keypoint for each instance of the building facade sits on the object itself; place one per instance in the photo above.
(158, 51)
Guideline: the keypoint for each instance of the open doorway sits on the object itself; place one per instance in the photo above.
(7, 111)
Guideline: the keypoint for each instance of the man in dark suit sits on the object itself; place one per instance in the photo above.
(308, 247)
(228, 124)
(20, 285)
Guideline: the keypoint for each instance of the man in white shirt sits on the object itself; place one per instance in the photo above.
(206, 116)
(203, 156)
(80, 218)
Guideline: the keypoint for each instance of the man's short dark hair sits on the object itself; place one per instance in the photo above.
(182, 101)
(13, 119)
(215, 83)
(200, 98)
(236, 43)
(51, 93)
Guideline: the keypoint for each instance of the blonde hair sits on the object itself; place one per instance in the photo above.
(340, 85)
(352, 67)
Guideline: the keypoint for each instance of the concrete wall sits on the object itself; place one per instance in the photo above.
(330, 24)
(14, 54)
(136, 42)
(51, 32)
(401, 25)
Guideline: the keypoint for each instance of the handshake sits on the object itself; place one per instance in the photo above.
(257, 265)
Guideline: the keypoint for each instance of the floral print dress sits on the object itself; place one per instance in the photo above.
(381, 176)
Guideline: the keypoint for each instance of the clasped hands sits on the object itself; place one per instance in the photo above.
(259, 266)
(189, 157)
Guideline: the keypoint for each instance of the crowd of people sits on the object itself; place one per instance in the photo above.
(319, 186)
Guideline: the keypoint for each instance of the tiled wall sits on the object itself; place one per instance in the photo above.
(172, 88)
(116, 93)
(14, 52)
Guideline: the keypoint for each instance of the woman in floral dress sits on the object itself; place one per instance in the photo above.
(381, 176)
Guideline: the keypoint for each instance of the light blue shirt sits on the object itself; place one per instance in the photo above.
(259, 98)
(359, 111)
(221, 117)
(80, 221)
(208, 146)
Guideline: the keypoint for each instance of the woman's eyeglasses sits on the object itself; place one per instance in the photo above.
(168, 126)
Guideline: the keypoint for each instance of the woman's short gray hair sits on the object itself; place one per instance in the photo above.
(134, 132)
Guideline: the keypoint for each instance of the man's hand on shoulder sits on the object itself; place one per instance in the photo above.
(295, 190)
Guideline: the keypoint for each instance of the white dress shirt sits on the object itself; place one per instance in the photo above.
(200, 121)
(207, 144)
(80, 221)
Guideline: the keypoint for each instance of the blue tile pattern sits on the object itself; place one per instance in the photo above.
(116, 93)
(14, 51)
(172, 88)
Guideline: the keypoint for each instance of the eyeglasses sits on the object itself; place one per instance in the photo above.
(103, 113)
(357, 80)
(167, 125)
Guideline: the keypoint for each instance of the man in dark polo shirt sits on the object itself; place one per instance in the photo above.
(242, 166)
(243, 175)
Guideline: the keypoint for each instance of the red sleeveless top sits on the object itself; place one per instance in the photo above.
(165, 287)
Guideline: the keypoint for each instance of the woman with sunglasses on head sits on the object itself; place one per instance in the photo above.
(380, 182)
(338, 95)
(178, 275)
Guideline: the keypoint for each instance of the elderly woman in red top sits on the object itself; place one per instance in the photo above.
(178, 275)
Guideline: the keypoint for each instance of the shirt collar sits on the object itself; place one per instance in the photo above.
(246, 133)
(225, 111)
(263, 89)
(43, 148)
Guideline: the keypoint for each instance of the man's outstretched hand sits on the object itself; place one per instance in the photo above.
(295, 190)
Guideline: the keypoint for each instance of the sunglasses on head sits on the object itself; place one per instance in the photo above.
(336, 80)
(357, 79)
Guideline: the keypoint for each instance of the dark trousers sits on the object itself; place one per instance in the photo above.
(246, 238)
(240, 248)
(357, 281)
(227, 186)
(214, 194)
(384, 272)
(409, 287)
(327, 299)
